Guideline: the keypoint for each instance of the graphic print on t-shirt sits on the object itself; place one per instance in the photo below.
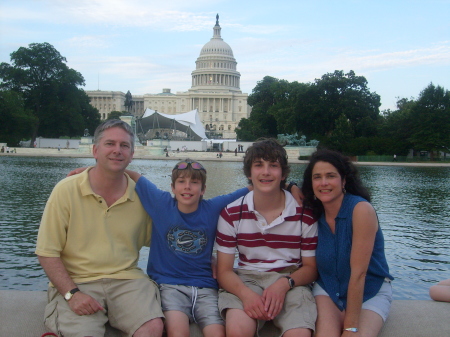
(186, 241)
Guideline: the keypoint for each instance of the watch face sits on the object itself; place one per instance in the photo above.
(291, 283)
(68, 296)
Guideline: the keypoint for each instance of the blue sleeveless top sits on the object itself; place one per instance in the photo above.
(333, 256)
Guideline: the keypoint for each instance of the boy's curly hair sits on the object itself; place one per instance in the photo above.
(268, 149)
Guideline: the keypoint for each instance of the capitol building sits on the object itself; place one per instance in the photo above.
(215, 93)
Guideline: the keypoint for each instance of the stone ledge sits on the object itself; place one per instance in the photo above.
(22, 315)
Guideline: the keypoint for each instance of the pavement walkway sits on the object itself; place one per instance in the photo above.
(195, 155)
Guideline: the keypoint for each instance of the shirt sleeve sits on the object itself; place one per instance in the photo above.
(222, 201)
(226, 237)
(151, 196)
(309, 234)
(52, 233)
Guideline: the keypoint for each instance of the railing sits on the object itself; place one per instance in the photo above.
(402, 159)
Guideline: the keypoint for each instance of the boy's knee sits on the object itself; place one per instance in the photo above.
(152, 328)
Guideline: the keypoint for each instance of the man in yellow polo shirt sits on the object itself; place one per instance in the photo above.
(89, 239)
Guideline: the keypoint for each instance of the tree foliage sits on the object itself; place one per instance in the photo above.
(50, 90)
(430, 120)
(15, 119)
(116, 114)
(341, 112)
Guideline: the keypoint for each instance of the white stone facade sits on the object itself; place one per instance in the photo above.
(215, 93)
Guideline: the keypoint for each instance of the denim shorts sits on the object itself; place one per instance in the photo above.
(380, 303)
(199, 304)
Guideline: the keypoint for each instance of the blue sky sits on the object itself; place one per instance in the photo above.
(400, 46)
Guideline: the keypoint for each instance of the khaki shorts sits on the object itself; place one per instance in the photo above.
(128, 305)
(299, 309)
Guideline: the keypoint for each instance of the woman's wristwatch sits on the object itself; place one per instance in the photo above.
(351, 329)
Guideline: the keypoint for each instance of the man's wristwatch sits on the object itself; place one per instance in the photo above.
(291, 282)
(68, 295)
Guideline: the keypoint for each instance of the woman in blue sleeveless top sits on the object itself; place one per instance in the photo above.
(353, 292)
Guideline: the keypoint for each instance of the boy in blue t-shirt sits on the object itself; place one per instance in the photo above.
(183, 234)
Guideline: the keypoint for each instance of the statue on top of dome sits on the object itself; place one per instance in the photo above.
(217, 19)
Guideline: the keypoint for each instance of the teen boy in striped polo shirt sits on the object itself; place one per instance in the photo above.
(276, 241)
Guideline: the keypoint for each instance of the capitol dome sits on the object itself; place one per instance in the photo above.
(216, 65)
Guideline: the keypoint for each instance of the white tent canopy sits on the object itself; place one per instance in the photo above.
(188, 122)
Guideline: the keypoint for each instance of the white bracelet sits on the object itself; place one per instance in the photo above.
(351, 329)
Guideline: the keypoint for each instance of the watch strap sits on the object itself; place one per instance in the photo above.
(290, 281)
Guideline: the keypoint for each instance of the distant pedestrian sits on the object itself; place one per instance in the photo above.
(235, 151)
(395, 157)
(59, 147)
(67, 144)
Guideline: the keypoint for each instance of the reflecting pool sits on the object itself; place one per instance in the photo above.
(413, 205)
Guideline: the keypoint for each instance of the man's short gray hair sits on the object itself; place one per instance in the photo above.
(113, 123)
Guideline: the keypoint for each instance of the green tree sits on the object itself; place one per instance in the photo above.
(50, 90)
(116, 114)
(333, 95)
(16, 120)
(395, 129)
(430, 120)
(341, 136)
(261, 122)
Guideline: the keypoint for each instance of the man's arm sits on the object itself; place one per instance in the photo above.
(231, 282)
(275, 294)
(80, 303)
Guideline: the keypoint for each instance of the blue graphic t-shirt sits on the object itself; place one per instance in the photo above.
(181, 243)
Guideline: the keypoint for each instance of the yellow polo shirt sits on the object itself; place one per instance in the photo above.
(93, 240)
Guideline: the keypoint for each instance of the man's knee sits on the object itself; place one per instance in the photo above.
(152, 328)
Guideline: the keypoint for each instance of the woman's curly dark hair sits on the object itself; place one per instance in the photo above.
(347, 171)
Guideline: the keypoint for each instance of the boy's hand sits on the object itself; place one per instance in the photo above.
(274, 296)
(76, 171)
(254, 306)
(297, 194)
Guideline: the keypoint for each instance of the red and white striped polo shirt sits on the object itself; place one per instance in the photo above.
(262, 246)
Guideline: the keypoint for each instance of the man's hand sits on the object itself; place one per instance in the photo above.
(83, 304)
(254, 306)
(76, 171)
(274, 296)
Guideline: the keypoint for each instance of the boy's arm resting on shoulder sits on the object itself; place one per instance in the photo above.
(77, 171)
(296, 193)
(231, 282)
(80, 303)
(133, 175)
